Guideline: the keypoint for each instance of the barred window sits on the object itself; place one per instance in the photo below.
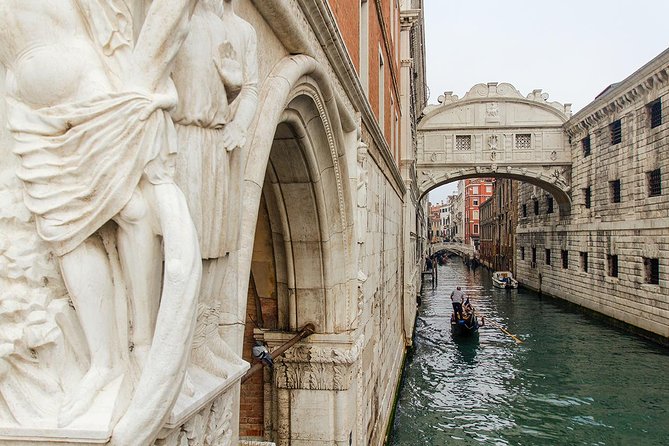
(548, 256)
(463, 142)
(565, 258)
(587, 196)
(652, 270)
(584, 261)
(524, 210)
(612, 265)
(585, 144)
(522, 253)
(536, 207)
(654, 183)
(655, 113)
(549, 204)
(614, 187)
(616, 131)
(524, 141)
(534, 256)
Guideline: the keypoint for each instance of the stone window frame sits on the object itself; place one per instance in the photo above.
(583, 257)
(463, 139)
(654, 111)
(612, 265)
(523, 141)
(654, 182)
(547, 253)
(616, 132)
(651, 268)
(615, 191)
(564, 254)
(586, 146)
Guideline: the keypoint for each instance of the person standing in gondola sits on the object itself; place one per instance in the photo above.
(458, 297)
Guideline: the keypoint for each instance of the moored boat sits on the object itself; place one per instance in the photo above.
(504, 279)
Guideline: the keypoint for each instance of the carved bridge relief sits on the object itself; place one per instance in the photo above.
(495, 131)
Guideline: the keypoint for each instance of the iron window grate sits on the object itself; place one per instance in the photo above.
(655, 113)
(548, 256)
(587, 193)
(549, 205)
(565, 259)
(585, 144)
(584, 261)
(612, 261)
(654, 183)
(616, 130)
(614, 186)
(652, 270)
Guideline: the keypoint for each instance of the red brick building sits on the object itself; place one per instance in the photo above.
(477, 190)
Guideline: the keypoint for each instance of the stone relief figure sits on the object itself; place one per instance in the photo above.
(88, 109)
(216, 76)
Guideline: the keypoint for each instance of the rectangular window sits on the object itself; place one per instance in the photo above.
(616, 132)
(612, 265)
(382, 91)
(476, 229)
(523, 141)
(536, 207)
(534, 257)
(475, 202)
(548, 257)
(524, 210)
(614, 188)
(488, 189)
(549, 205)
(364, 45)
(655, 113)
(587, 197)
(651, 270)
(584, 261)
(565, 258)
(585, 144)
(475, 190)
(475, 214)
(654, 183)
(463, 142)
(522, 253)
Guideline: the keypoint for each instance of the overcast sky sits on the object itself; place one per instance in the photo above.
(570, 49)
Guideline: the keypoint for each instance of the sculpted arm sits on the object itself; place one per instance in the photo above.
(160, 38)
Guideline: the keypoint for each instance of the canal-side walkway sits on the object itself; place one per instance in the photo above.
(573, 380)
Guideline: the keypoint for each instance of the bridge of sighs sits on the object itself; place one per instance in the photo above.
(496, 132)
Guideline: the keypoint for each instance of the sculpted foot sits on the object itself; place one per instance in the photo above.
(80, 401)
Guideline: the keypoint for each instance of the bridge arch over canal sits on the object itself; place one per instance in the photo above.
(494, 131)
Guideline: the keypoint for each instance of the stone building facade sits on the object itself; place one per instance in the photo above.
(332, 234)
(610, 254)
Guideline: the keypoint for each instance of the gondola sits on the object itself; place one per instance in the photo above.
(466, 324)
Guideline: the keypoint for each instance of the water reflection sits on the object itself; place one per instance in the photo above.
(572, 380)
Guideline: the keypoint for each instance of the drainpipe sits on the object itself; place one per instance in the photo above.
(307, 330)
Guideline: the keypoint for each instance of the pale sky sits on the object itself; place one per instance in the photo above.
(570, 49)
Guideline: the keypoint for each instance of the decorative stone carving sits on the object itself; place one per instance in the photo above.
(87, 106)
(492, 112)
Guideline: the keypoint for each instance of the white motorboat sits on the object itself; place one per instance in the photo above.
(504, 279)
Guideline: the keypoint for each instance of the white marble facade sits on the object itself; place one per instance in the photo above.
(138, 138)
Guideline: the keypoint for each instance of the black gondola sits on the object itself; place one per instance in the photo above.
(466, 324)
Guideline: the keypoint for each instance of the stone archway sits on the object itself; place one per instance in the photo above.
(494, 131)
(297, 194)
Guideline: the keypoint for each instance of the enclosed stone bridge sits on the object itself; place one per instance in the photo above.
(496, 132)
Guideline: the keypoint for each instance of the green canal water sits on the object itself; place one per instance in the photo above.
(573, 381)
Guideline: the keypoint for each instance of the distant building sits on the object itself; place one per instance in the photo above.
(499, 218)
(476, 191)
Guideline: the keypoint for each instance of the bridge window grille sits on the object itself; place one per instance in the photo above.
(522, 253)
(651, 270)
(654, 183)
(585, 144)
(565, 258)
(584, 261)
(614, 187)
(524, 141)
(616, 131)
(524, 210)
(549, 205)
(655, 113)
(587, 197)
(463, 142)
(612, 265)
(536, 207)
(548, 256)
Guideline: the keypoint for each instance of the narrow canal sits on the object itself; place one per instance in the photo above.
(573, 380)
